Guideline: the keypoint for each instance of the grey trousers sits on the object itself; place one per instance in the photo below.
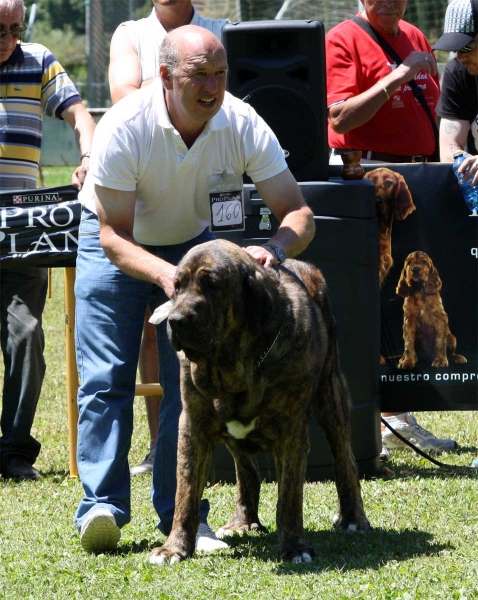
(22, 295)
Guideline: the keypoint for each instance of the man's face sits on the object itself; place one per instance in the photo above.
(198, 86)
(385, 14)
(9, 21)
(469, 59)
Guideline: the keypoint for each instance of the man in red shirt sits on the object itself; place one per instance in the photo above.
(371, 105)
(372, 108)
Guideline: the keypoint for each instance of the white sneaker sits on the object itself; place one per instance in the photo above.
(99, 532)
(407, 426)
(207, 541)
(146, 466)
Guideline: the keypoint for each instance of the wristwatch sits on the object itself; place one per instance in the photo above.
(279, 253)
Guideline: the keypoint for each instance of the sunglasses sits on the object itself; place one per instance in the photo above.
(468, 48)
(16, 32)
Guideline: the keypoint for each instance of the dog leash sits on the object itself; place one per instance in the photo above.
(450, 468)
(266, 352)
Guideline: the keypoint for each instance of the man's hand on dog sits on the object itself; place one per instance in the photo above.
(263, 256)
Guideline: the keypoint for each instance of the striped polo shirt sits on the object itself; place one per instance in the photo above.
(32, 83)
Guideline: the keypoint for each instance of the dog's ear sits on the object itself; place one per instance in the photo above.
(433, 284)
(403, 289)
(403, 199)
(257, 301)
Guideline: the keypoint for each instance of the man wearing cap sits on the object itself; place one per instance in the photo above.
(458, 105)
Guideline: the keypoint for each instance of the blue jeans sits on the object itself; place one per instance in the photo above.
(110, 307)
(23, 295)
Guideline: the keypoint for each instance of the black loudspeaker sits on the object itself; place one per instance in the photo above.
(278, 67)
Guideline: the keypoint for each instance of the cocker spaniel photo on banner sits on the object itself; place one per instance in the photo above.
(428, 268)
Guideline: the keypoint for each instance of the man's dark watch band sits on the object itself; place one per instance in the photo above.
(278, 251)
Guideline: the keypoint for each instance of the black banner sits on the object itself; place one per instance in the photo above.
(39, 227)
(430, 290)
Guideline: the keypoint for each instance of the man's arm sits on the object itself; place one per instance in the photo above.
(83, 125)
(453, 136)
(125, 73)
(116, 215)
(282, 195)
(358, 110)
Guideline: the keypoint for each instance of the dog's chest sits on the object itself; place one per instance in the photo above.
(240, 431)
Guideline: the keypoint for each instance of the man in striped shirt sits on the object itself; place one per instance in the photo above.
(33, 83)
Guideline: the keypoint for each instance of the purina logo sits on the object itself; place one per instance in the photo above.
(37, 198)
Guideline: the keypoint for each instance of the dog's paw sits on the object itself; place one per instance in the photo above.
(406, 363)
(230, 531)
(296, 556)
(162, 556)
(440, 361)
(304, 557)
(351, 526)
(227, 532)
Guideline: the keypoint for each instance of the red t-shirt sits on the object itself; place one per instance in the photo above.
(355, 63)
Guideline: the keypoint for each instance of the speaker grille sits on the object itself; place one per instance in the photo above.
(291, 118)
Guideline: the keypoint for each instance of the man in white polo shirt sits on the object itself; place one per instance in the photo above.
(161, 159)
(134, 63)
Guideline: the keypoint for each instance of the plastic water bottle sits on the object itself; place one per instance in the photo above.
(470, 194)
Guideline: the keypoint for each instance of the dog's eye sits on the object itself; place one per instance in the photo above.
(210, 284)
(388, 183)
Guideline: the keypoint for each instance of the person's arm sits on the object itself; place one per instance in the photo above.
(124, 73)
(453, 136)
(282, 195)
(358, 110)
(116, 216)
(83, 125)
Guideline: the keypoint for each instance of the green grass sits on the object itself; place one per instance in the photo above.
(53, 176)
(424, 545)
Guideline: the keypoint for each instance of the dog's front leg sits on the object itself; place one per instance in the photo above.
(194, 458)
(245, 517)
(440, 357)
(290, 457)
(409, 357)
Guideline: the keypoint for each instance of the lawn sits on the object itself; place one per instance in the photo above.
(424, 542)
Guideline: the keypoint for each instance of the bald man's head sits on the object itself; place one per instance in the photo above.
(188, 41)
(193, 71)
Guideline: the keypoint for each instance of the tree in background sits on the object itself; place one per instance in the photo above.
(60, 26)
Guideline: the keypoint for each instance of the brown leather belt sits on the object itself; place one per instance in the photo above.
(385, 157)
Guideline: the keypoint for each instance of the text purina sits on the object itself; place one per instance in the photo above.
(39, 198)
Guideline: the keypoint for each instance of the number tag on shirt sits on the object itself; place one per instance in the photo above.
(226, 198)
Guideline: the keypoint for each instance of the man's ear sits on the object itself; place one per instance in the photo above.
(165, 76)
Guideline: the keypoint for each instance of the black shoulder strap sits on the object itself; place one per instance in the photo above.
(416, 89)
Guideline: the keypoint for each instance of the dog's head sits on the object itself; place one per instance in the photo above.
(220, 292)
(418, 273)
(393, 196)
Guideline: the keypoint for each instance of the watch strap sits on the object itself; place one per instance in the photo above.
(278, 251)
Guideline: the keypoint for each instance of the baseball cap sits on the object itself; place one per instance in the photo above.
(459, 29)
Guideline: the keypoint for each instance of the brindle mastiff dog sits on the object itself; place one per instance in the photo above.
(258, 352)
